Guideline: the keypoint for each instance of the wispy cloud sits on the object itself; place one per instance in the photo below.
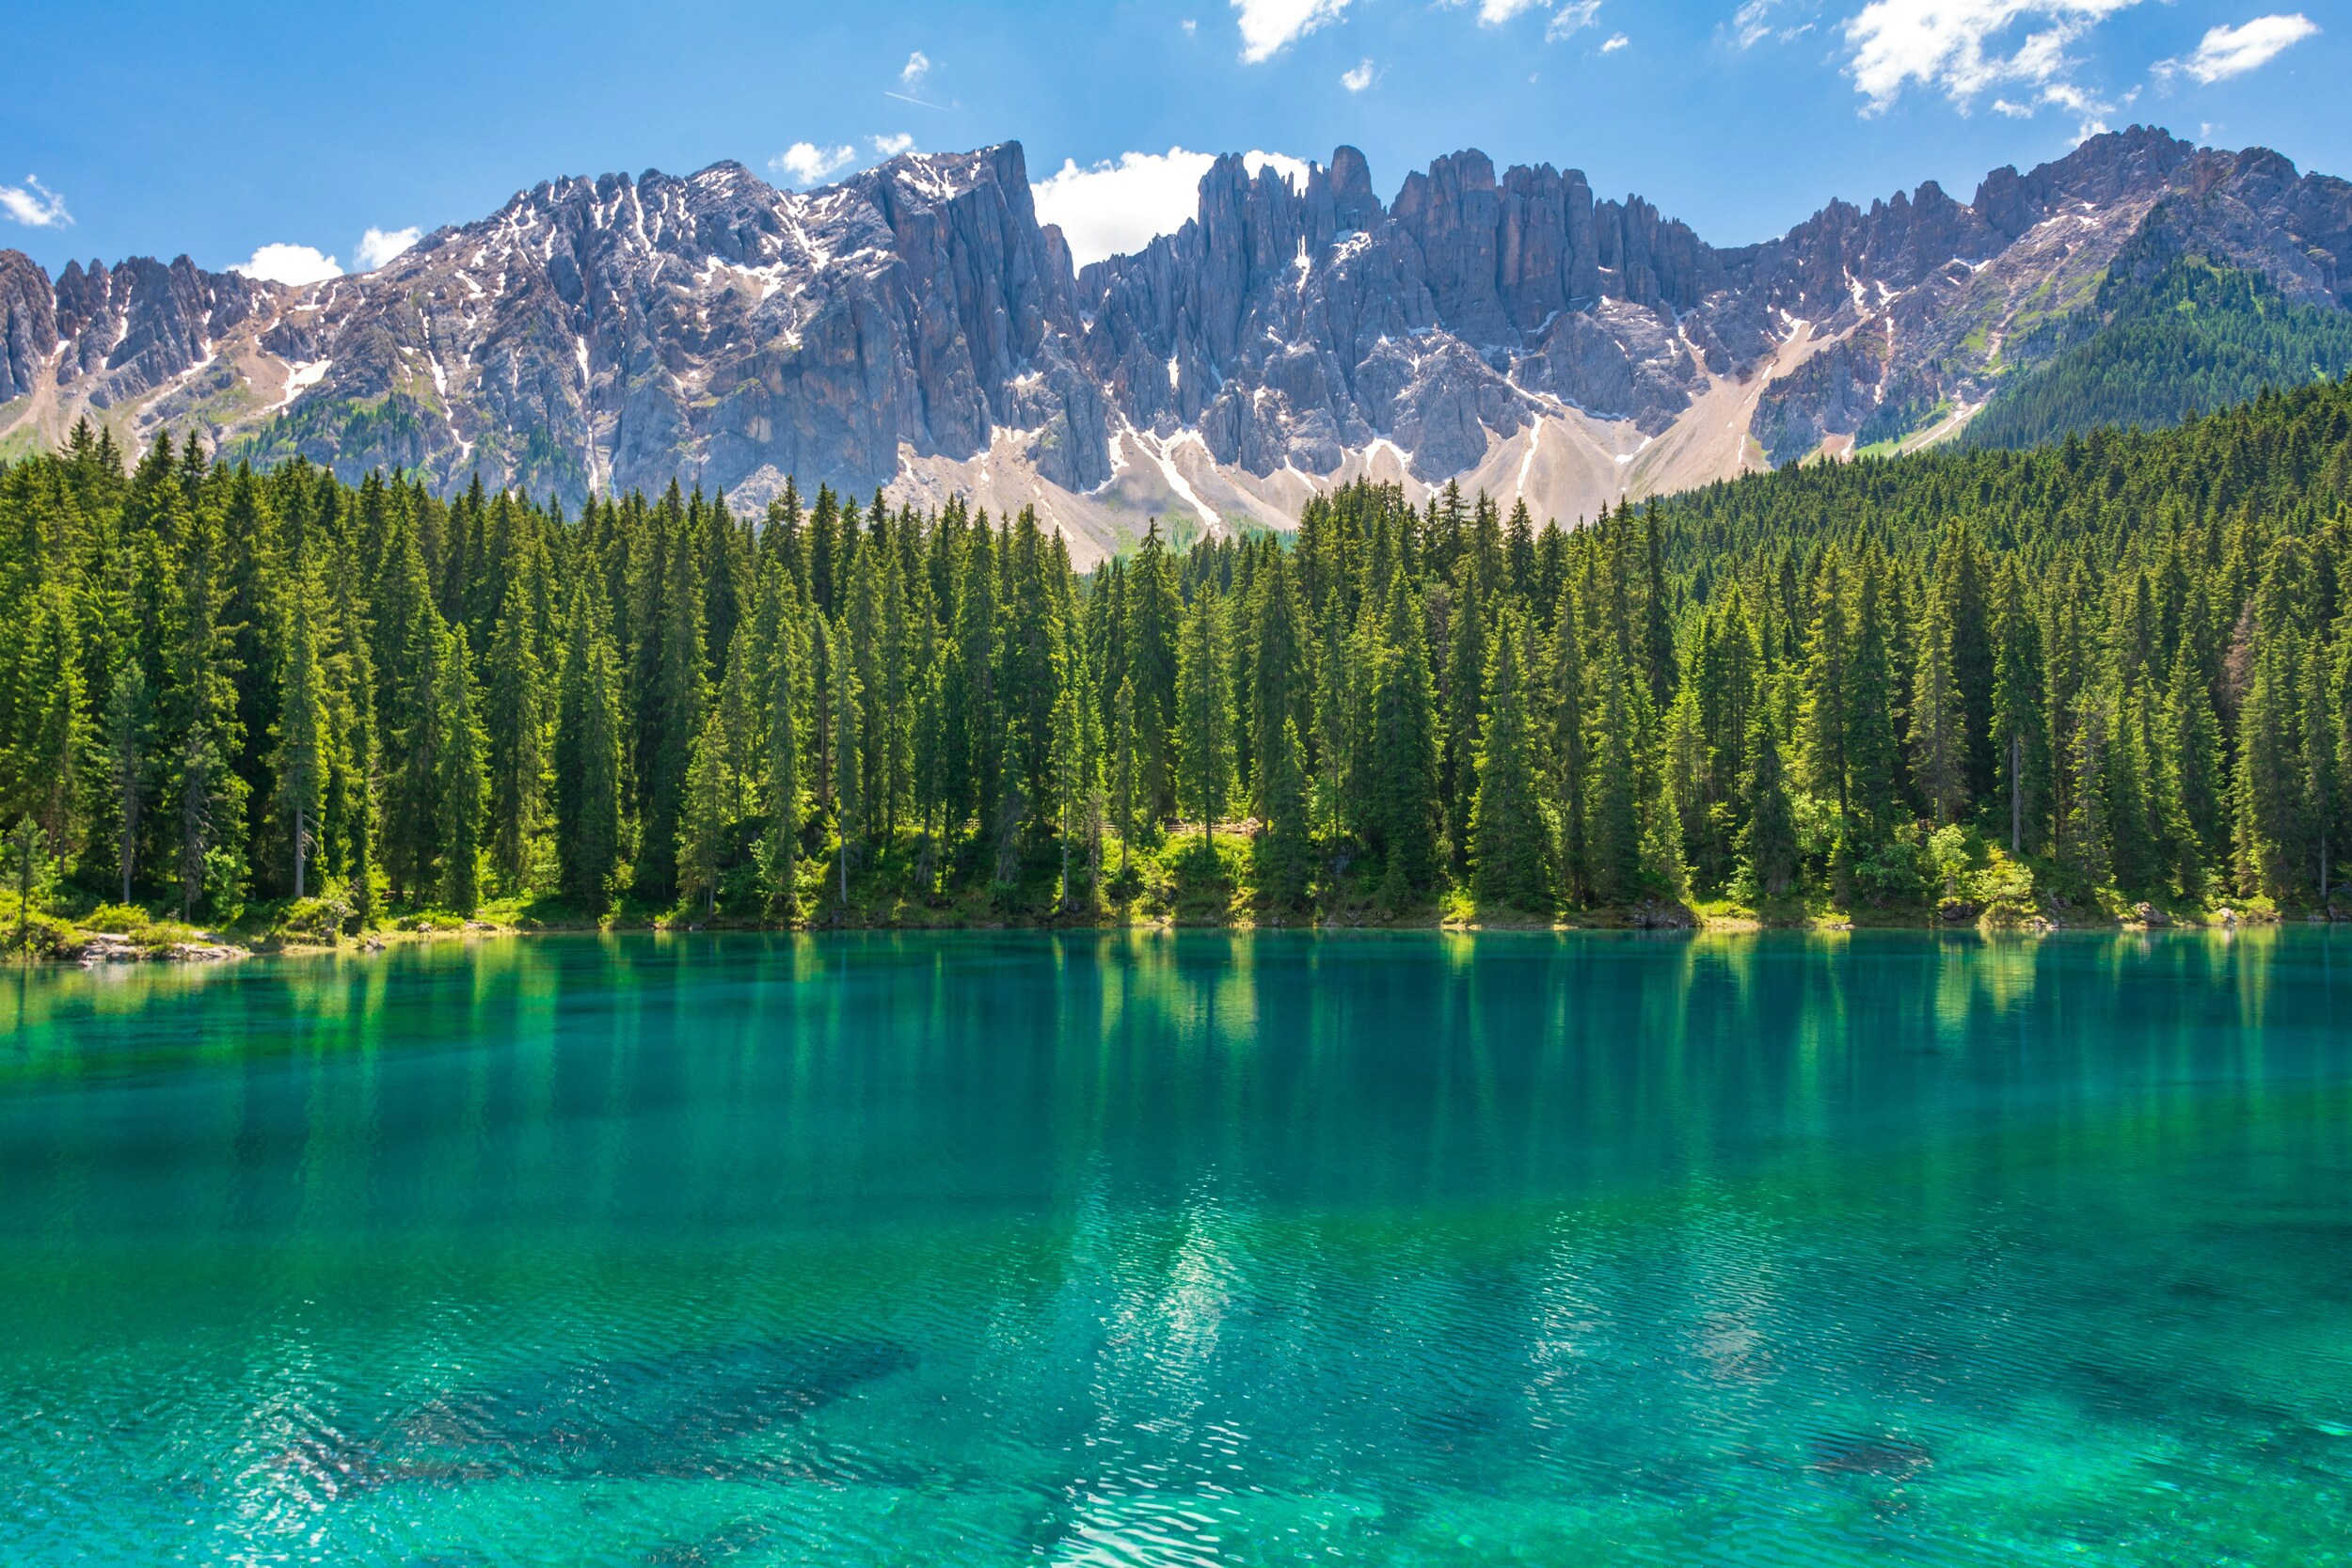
(1573, 17)
(1360, 78)
(290, 263)
(805, 162)
(917, 66)
(1115, 209)
(1268, 26)
(1965, 48)
(379, 245)
(34, 205)
(1759, 20)
(2227, 52)
(1567, 16)
(1615, 43)
(890, 147)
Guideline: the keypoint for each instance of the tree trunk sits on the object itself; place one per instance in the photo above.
(23, 887)
(2016, 795)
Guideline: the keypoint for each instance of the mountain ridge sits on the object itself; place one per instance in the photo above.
(916, 327)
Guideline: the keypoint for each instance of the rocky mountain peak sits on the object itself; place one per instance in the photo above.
(915, 325)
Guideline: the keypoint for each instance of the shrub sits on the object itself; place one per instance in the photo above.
(317, 919)
(2004, 888)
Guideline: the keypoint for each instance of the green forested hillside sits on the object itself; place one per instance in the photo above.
(2193, 338)
(2115, 670)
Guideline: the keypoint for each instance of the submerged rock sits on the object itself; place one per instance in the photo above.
(1863, 1454)
(674, 1415)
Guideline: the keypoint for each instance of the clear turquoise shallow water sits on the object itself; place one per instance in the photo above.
(1006, 1249)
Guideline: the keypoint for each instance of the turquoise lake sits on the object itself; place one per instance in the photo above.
(1202, 1248)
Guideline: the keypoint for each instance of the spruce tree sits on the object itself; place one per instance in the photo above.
(1284, 851)
(1658, 642)
(846, 750)
(127, 734)
(1154, 610)
(2200, 782)
(1873, 759)
(1125, 778)
(2020, 724)
(2083, 840)
(1204, 718)
(459, 783)
(1401, 750)
(1570, 750)
(784, 699)
(703, 830)
(53, 732)
(1768, 842)
(351, 788)
(1939, 718)
(587, 758)
(1279, 692)
(673, 694)
(515, 714)
(1683, 756)
(303, 735)
(2323, 794)
(206, 796)
(412, 837)
(1466, 699)
(1615, 790)
(1828, 659)
(1510, 841)
(1724, 691)
(2268, 779)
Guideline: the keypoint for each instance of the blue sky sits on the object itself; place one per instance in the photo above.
(129, 129)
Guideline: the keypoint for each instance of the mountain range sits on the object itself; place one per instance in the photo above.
(917, 328)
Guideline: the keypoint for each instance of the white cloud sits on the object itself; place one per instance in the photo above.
(34, 205)
(2227, 52)
(890, 147)
(917, 66)
(1115, 209)
(1753, 21)
(1267, 25)
(379, 245)
(1615, 43)
(290, 263)
(2087, 110)
(805, 162)
(1567, 16)
(1190, 27)
(1360, 78)
(1572, 18)
(1961, 46)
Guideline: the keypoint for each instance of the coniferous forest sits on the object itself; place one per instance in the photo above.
(2194, 335)
(2099, 678)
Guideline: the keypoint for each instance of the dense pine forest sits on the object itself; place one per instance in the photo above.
(2163, 340)
(2084, 678)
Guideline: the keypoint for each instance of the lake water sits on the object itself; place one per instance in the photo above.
(987, 1249)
